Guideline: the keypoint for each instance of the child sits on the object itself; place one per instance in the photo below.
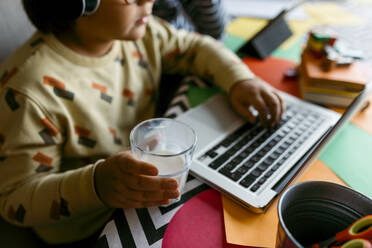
(206, 16)
(70, 96)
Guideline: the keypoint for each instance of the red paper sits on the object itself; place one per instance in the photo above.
(272, 70)
(198, 223)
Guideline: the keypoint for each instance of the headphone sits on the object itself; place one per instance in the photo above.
(66, 9)
(89, 7)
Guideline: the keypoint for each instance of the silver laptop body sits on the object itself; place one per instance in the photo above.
(224, 160)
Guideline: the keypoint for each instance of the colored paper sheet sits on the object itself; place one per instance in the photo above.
(331, 13)
(277, 68)
(233, 42)
(246, 228)
(349, 155)
(198, 223)
(299, 29)
(292, 52)
(245, 27)
(197, 95)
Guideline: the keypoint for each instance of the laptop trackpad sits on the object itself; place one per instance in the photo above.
(211, 119)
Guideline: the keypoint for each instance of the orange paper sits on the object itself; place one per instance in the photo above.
(249, 229)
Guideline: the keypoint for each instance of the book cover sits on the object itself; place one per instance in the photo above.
(347, 78)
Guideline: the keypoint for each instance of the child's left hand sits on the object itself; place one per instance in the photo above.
(261, 96)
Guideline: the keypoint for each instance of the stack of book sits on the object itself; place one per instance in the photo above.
(328, 76)
(336, 87)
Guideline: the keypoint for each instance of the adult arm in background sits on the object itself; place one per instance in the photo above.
(208, 16)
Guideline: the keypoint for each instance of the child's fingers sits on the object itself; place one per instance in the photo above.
(128, 164)
(260, 105)
(244, 111)
(273, 104)
(139, 182)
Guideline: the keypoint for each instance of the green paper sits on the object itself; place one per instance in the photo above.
(233, 42)
(293, 53)
(349, 155)
(198, 95)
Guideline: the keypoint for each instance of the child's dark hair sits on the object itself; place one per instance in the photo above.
(50, 16)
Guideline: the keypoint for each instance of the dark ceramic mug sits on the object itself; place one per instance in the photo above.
(312, 211)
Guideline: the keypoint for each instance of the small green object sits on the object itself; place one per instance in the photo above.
(319, 36)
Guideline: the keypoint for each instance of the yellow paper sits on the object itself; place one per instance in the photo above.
(245, 28)
(259, 230)
(327, 13)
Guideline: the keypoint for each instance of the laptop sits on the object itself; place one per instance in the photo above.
(252, 164)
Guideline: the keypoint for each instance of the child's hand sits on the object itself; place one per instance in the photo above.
(122, 181)
(257, 94)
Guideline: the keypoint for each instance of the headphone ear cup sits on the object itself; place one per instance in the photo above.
(91, 6)
(66, 9)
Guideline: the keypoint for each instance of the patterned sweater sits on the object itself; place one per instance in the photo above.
(61, 112)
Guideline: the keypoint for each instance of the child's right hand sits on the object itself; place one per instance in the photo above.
(123, 181)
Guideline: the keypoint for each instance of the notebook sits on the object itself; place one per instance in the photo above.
(251, 164)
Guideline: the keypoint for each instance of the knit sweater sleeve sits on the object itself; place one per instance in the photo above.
(192, 53)
(32, 192)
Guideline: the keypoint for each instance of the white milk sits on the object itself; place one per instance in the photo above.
(165, 165)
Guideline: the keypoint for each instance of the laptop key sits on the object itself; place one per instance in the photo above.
(256, 173)
(247, 181)
(255, 187)
(219, 161)
(229, 166)
(249, 164)
(262, 167)
(212, 154)
(233, 175)
(262, 180)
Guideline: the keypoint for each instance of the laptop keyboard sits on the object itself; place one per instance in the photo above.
(252, 154)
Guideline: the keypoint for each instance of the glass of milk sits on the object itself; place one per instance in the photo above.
(166, 143)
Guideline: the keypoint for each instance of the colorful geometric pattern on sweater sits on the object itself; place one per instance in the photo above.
(58, 209)
(176, 54)
(117, 140)
(10, 98)
(49, 132)
(103, 92)
(120, 60)
(83, 134)
(17, 215)
(141, 61)
(59, 88)
(130, 95)
(7, 75)
(44, 161)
